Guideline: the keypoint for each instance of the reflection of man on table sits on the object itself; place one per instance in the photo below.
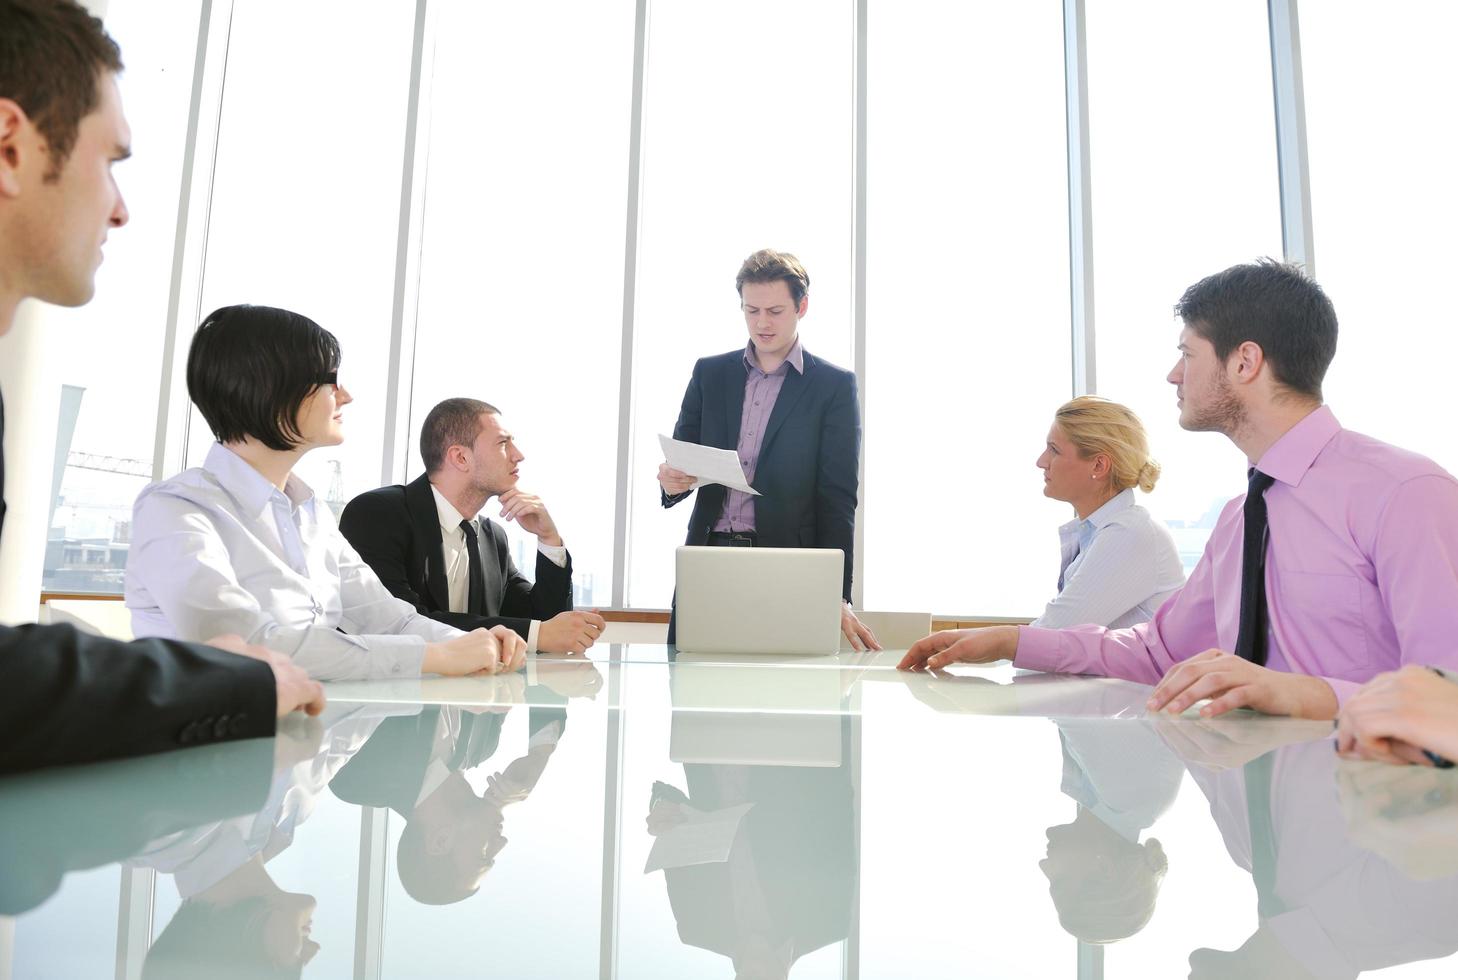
(788, 884)
(54, 823)
(234, 918)
(416, 767)
(1327, 907)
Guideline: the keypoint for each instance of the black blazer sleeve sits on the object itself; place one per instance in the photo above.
(523, 602)
(67, 697)
(389, 768)
(689, 426)
(837, 477)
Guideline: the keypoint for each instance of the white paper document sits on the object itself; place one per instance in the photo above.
(703, 838)
(708, 464)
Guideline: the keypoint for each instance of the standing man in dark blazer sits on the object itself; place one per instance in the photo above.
(66, 696)
(430, 545)
(795, 422)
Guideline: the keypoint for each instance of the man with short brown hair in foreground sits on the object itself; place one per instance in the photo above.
(65, 696)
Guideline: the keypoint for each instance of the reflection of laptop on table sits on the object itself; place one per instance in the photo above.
(755, 715)
(759, 600)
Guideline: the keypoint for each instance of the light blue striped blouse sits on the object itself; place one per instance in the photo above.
(1118, 565)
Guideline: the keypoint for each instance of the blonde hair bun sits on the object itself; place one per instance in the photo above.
(1148, 476)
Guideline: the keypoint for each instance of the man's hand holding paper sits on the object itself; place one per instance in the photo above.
(688, 461)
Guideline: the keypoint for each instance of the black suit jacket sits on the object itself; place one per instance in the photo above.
(396, 530)
(67, 696)
(808, 469)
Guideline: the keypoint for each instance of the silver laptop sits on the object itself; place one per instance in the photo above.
(759, 600)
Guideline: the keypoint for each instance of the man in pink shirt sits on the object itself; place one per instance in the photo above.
(1359, 552)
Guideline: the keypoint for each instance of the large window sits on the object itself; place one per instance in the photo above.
(111, 371)
(967, 320)
(1183, 160)
(522, 265)
(1384, 204)
(305, 199)
(520, 197)
(747, 124)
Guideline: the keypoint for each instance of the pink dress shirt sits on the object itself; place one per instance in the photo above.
(1361, 572)
(761, 392)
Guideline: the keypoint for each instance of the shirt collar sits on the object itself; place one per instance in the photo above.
(796, 357)
(248, 486)
(450, 518)
(1293, 453)
(1120, 502)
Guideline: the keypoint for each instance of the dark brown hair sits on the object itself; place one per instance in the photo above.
(454, 422)
(52, 58)
(767, 265)
(1277, 306)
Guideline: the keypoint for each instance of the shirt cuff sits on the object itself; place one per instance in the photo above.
(1038, 649)
(328, 655)
(394, 656)
(532, 632)
(1342, 689)
(556, 555)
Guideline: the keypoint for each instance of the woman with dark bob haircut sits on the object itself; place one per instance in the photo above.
(241, 545)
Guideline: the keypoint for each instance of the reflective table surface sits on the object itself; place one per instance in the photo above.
(638, 816)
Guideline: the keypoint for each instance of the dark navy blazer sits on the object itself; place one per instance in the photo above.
(808, 469)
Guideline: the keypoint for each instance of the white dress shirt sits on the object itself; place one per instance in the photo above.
(218, 549)
(1118, 566)
(458, 560)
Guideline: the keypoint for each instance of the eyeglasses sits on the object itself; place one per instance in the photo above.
(327, 378)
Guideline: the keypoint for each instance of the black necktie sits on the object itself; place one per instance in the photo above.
(1250, 643)
(1258, 784)
(476, 590)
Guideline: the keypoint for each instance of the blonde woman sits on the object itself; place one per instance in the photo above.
(1118, 563)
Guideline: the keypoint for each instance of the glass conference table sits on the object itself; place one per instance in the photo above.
(627, 816)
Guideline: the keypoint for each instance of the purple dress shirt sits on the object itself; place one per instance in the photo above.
(1361, 572)
(761, 391)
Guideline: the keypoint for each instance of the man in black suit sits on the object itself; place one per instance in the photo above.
(430, 545)
(795, 422)
(65, 696)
